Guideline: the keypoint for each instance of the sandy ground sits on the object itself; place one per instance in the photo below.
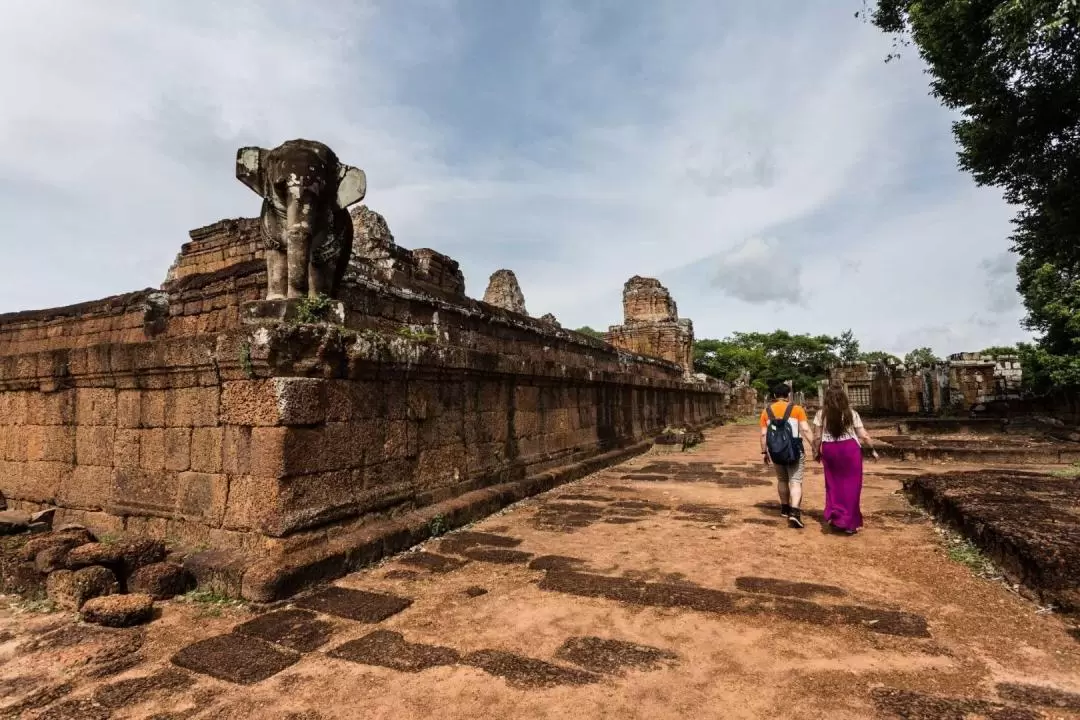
(679, 596)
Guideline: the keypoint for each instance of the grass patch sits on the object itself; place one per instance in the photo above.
(36, 606)
(1072, 471)
(414, 335)
(745, 420)
(963, 551)
(311, 310)
(438, 526)
(211, 603)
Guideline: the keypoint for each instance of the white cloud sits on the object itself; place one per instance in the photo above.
(577, 144)
(759, 272)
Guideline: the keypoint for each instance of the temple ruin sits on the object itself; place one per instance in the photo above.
(504, 292)
(651, 324)
(959, 384)
(302, 437)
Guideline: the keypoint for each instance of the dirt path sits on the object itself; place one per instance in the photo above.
(664, 588)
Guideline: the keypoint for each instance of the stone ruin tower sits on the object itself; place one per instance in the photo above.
(503, 291)
(651, 324)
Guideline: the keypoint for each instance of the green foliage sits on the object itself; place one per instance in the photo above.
(36, 605)
(963, 551)
(310, 310)
(211, 603)
(438, 525)
(878, 356)
(1045, 370)
(770, 358)
(847, 347)
(245, 360)
(1010, 68)
(1069, 471)
(996, 351)
(417, 335)
(586, 330)
(922, 357)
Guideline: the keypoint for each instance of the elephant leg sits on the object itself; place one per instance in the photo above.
(343, 229)
(277, 274)
(320, 279)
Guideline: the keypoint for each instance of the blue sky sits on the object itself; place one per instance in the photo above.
(759, 158)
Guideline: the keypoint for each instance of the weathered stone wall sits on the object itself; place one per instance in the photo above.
(176, 413)
(958, 384)
(651, 324)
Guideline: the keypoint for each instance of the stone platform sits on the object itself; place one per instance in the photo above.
(310, 437)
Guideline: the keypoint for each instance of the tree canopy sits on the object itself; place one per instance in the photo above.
(877, 356)
(921, 356)
(1011, 68)
(775, 357)
(586, 330)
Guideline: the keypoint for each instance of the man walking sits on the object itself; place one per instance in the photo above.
(784, 425)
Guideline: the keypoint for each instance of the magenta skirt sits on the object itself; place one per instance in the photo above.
(843, 464)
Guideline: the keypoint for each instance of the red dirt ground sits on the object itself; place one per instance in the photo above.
(674, 596)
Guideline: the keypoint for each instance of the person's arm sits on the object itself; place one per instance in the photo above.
(864, 437)
(805, 431)
(819, 433)
(764, 429)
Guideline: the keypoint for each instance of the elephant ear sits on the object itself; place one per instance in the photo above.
(352, 185)
(251, 168)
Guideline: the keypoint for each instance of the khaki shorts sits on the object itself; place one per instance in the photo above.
(790, 473)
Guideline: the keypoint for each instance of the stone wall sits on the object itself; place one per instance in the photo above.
(651, 324)
(193, 413)
(956, 385)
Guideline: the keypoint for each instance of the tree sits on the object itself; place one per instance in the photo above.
(848, 347)
(997, 351)
(878, 356)
(1010, 67)
(770, 358)
(922, 357)
(586, 330)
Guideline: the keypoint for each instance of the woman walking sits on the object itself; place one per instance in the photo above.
(838, 438)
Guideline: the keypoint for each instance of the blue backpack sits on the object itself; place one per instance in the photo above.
(784, 448)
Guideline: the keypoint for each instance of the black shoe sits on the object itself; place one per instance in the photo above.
(785, 510)
(795, 518)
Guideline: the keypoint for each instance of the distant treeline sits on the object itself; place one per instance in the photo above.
(778, 356)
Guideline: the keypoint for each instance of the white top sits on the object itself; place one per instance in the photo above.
(850, 433)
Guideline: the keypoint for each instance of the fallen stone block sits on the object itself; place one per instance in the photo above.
(119, 611)
(218, 570)
(13, 522)
(51, 559)
(71, 589)
(43, 517)
(123, 557)
(160, 581)
(59, 538)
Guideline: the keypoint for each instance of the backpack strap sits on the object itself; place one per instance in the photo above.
(769, 412)
(787, 410)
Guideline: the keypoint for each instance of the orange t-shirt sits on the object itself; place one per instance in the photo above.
(798, 415)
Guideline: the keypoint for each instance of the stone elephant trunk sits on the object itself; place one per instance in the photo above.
(306, 226)
(302, 275)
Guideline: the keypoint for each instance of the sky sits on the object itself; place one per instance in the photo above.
(760, 159)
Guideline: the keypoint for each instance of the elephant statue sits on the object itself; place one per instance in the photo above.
(305, 220)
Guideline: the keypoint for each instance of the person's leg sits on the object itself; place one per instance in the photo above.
(783, 488)
(795, 478)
